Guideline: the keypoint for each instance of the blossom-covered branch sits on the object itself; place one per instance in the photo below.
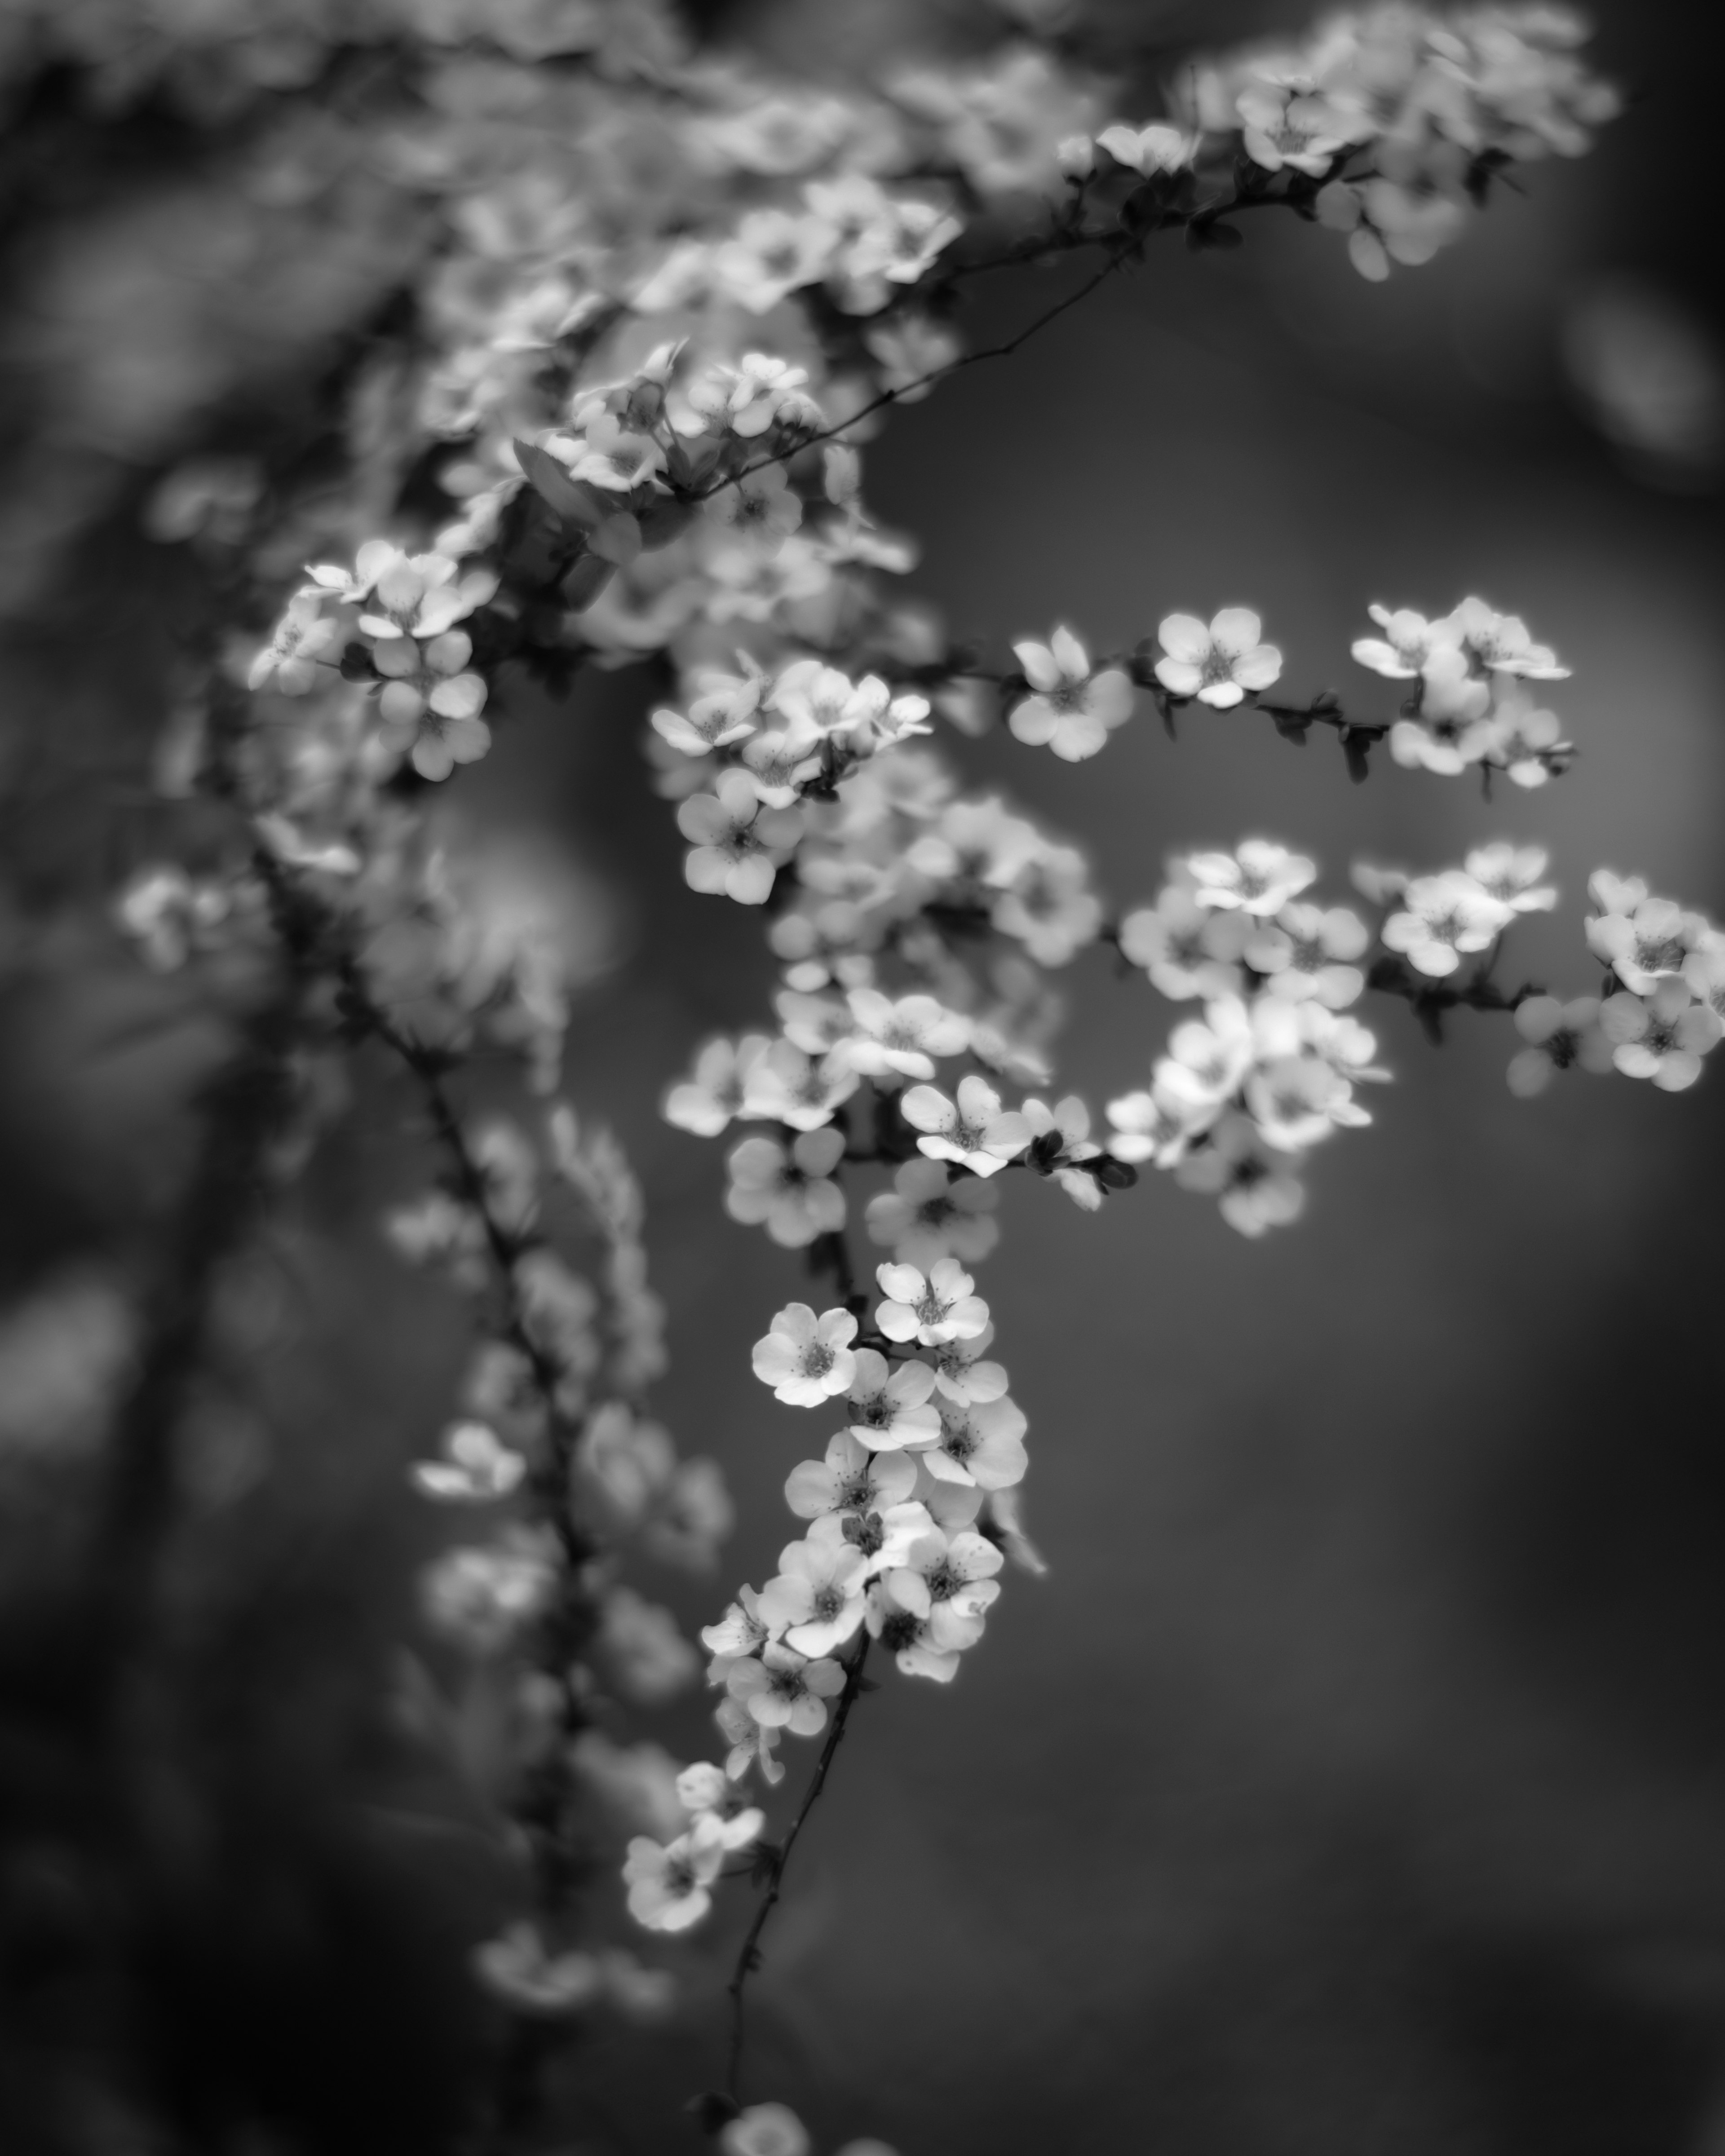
(627, 425)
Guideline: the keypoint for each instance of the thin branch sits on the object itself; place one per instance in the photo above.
(1201, 223)
(748, 1959)
(887, 397)
(1430, 1000)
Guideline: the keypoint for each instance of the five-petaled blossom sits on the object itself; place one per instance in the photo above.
(974, 1130)
(1069, 709)
(1219, 664)
(669, 1885)
(931, 1307)
(807, 1359)
(1661, 1035)
(1444, 918)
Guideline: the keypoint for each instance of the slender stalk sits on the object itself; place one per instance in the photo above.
(748, 1957)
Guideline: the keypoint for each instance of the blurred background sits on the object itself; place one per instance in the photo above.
(1355, 1782)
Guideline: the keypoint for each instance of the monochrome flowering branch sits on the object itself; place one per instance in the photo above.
(625, 422)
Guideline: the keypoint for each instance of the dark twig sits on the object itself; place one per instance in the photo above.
(748, 1959)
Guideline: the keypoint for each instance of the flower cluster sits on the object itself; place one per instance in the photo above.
(1472, 704)
(1242, 1094)
(909, 1510)
(1397, 116)
(554, 1442)
(1665, 982)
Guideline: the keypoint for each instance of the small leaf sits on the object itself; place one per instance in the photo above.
(586, 580)
(616, 538)
(576, 504)
(1355, 745)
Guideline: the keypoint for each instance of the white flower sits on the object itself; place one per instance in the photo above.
(426, 686)
(302, 651)
(929, 1307)
(1186, 947)
(813, 1023)
(1257, 1187)
(741, 1631)
(771, 252)
(705, 1790)
(1295, 1100)
(1157, 148)
(788, 1190)
(517, 1967)
(883, 1535)
(954, 1574)
(905, 1635)
(477, 1466)
(851, 1478)
(1159, 1125)
(1281, 125)
(724, 712)
(787, 1086)
(901, 1039)
(816, 1599)
(784, 1690)
(737, 844)
(760, 506)
(889, 1403)
(1608, 892)
(1704, 969)
(1511, 874)
(1050, 907)
(1662, 1034)
(819, 698)
(807, 1359)
(927, 1215)
(417, 595)
(753, 1744)
(481, 1595)
(1337, 1036)
(1526, 742)
(1381, 886)
(1454, 728)
(1408, 641)
(764, 2129)
(758, 393)
(1070, 710)
(1643, 946)
(974, 1130)
(981, 1442)
(1309, 952)
(1445, 916)
(961, 1373)
(1206, 1060)
(780, 762)
(1259, 878)
(667, 1885)
(648, 1656)
(1219, 664)
(706, 1103)
(1501, 642)
(1559, 1035)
